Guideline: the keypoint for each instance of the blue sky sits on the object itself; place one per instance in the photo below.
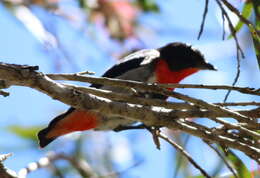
(27, 107)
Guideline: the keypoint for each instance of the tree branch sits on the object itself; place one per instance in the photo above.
(239, 49)
(122, 83)
(154, 88)
(203, 18)
(27, 76)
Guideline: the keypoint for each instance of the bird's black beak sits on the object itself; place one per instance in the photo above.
(207, 66)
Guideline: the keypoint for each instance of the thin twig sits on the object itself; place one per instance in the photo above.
(223, 158)
(239, 49)
(155, 132)
(223, 27)
(236, 77)
(236, 126)
(253, 103)
(245, 90)
(156, 89)
(251, 27)
(232, 28)
(185, 153)
(203, 18)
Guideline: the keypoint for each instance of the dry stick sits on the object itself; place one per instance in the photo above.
(223, 27)
(219, 154)
(253, 103)
(242, 18)
(245, 90)
(156, 89)
(155, 131)
(236, 77)
(232, 29)
(204, 129)
(238, 127)
(156, 102)
(185, 153)
(122, 97)
(203, 133)
(152, 102)
(106, 81)
(203, 18)
(220, 131)
(223, 158)
(17, 75)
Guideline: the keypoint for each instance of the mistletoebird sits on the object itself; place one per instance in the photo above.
(168, 64)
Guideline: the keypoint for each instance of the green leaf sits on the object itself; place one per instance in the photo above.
(246, 12)
(239, 166)
(28, 133)
(148, 5)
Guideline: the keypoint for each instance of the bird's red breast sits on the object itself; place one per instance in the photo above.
(165, 75)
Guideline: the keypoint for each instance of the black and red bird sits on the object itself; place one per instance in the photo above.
(168, 64)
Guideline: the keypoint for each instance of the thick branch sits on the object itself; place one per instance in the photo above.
(106, 81)
(156, 89)
(192, 112)
(136, 100)
(19, 75)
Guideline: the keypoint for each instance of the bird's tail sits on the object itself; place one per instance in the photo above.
(70, 121)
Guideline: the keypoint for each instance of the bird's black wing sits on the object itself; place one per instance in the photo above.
(130, 62)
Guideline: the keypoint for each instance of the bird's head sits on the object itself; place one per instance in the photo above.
(181, 56)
